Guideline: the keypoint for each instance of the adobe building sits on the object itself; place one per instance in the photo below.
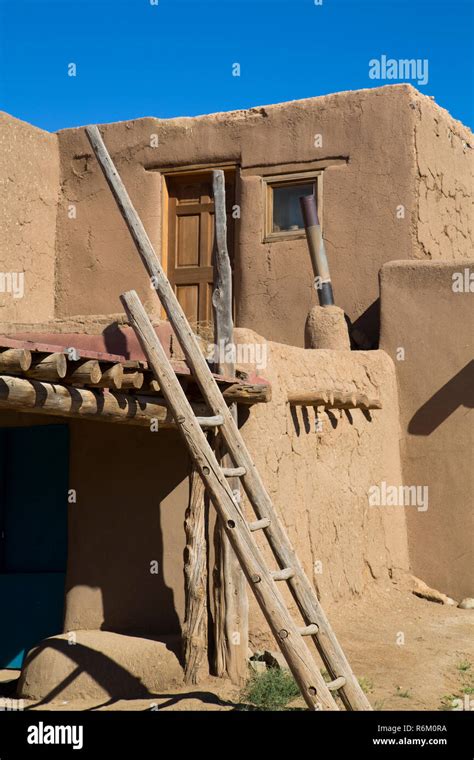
(89, 506)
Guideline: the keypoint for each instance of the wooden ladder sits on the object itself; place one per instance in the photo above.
(263, 581)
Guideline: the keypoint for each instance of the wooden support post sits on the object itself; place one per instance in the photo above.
(333, 400)
(132, 380)
(151, 386)
(195, 573)
(15, 361)
(112, 377)
(248, 393)
(48, 367)
(84, 372)
(230, 589)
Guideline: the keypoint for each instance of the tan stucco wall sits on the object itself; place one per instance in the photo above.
(434, 326)
(444, 194)
(367, 134)
(97, 260)
(319, 481)
(382, 149)
(132, 493)
(29, 189)
(369, 154)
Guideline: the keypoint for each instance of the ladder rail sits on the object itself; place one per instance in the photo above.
(313, 686)
(325, 640)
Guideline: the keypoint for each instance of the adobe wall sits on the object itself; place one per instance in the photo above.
(29, 190)
(382, 149)
(444, 176)
(131, 495)
(433, 326)
(97, 260)
(368, 157)
(132, 492)
(319, 481)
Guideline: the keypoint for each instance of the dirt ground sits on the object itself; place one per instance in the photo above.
(409, 654)
(420, 673)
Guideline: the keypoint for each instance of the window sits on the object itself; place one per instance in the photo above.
(283, 218)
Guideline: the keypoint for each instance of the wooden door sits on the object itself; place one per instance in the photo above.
(191, 241)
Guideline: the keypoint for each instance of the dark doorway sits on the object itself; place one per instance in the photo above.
(34, 464)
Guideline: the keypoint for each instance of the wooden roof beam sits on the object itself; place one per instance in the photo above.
(33, 396)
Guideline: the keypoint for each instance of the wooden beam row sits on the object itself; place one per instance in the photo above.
(130, 376)
(37, 397)
(334, 400)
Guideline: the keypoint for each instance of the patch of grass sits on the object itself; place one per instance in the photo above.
(272, 690)
(404, 694)
(365, 684)
(467, 677)
(447, 702)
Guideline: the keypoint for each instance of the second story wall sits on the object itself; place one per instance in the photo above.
(29, 190)
(361, 142)
(391, 171)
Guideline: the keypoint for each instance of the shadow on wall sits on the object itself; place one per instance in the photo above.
(310, 418)
(115, 340)
(132, 492)
(459, 391)
(365, 330)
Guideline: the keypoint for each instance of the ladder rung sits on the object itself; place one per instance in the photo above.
(309, 630)
(233, 472)
(282, 575)
(209, 422)
(259, 524)
(338, 683)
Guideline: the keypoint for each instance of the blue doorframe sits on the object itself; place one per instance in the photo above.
(34, 476)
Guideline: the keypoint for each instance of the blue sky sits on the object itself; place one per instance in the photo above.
(175, 58)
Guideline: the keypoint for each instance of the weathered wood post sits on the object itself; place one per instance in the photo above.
(230, 590)
(195, 630)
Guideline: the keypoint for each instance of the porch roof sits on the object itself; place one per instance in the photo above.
(74, 375)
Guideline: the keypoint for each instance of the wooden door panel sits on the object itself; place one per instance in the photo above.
(188, 297)
(205, 240)
(191, 241)
(191, 275)
(208, 247)
(187, 248)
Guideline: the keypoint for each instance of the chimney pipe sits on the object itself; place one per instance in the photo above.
(322, 278)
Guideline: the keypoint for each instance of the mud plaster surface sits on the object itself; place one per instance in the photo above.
(319, 481)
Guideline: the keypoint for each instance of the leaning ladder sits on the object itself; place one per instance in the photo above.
(290, 636)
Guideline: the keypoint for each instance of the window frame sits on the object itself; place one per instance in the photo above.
(287, 180)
